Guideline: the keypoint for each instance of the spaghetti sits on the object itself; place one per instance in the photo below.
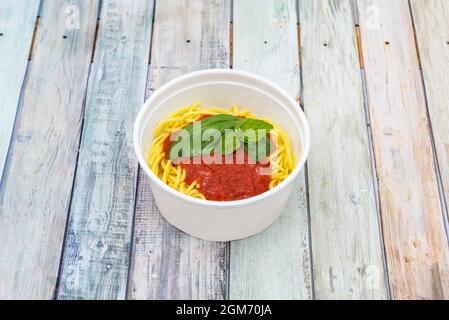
(281, 161)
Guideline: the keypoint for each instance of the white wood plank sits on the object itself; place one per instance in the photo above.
(166, 263)
(17, 19)
(95, 264)
(35, 193)
(274, 264)
(347, 257)
(432, 32)
(415, 239)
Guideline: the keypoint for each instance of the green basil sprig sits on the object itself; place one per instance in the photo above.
(228, 131)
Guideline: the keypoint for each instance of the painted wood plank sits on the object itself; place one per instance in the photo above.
(95, 264)
(346, 244)
(432, 32)
(35, 194)
(274, 264)
(166, 263)
(17, 19)
(415, 239)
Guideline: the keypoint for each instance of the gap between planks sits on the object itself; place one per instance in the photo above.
(359, 46)
(441, 190)
(133, 222)
(33, 39)
(97, 26)
(371, 147)
(298, 31)
(95, 39)
(58, 279)
(415, 39)
(151, 47)
(231, 61)
(231, 38)
(299, 99)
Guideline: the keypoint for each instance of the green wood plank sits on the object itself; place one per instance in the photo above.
(35, 193)
(95, 264)
(167, 263)
(17, 19)
(274, 264)
(347, 257)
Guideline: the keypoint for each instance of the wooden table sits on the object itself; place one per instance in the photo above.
(367, 220)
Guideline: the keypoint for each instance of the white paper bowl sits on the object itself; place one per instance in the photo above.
(222, 220)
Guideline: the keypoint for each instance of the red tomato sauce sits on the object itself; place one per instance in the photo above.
(227, 182)
(166, 146)
(220, 181)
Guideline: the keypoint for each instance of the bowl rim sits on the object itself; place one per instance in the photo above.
(305, 147)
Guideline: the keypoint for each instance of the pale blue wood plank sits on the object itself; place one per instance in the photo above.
(35, 193)
(17, 19)
(276, 263)
(346, 244)
(431, 20)
(95, 262)
(167, 263)
(414, 228)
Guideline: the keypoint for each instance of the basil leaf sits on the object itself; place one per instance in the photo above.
(254, 124)
(258, 150)
(219, 121)
(254, 129)
(230, 142)
(196, 139)
(211, 140)
(185, 139)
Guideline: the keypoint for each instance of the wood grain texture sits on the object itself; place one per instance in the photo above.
(95, 264)
(35, 193)
(414, 233)
(17, 19)
(432, 33)
(274, 264)
(346, 244)
(166, 263)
